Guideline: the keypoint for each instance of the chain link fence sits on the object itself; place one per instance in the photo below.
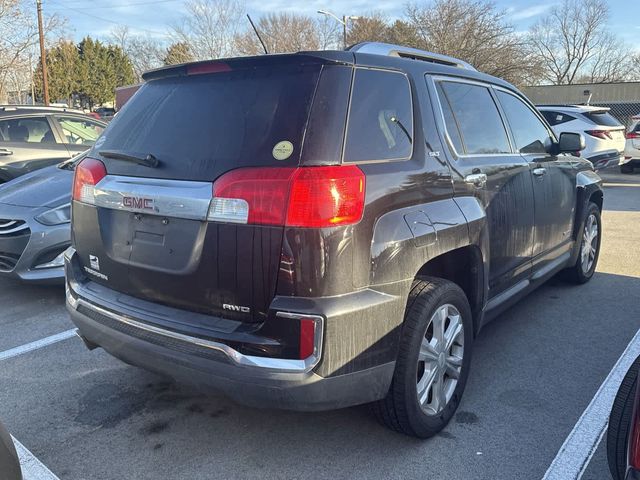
(622, 111)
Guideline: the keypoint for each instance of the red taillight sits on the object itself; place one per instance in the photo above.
(632, 135)
(326, 196)
(207, 67)
(88, 173)
(313, 197)
(307, 338)
(602, 134)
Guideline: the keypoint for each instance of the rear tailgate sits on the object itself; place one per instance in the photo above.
(147, 233)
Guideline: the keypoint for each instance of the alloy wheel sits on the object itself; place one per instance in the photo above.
(440, 359)
(589, 243)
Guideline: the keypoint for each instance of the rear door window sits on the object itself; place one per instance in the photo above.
(476, 115)
(380, 125)
(26, 130)
(200, 126)
(529, 133)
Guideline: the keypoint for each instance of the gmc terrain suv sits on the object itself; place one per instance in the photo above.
(323, 229)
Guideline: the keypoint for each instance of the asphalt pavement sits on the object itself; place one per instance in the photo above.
(86, 415)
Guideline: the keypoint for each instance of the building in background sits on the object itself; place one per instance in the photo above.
(622, 98)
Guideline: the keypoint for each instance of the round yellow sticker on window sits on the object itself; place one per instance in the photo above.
(282, 150)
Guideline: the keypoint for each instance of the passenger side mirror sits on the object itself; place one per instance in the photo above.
(570, 143)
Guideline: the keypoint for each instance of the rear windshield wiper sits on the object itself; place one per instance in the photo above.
(147, 161)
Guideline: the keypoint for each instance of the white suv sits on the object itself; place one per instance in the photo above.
(631, 158)
(603, 134)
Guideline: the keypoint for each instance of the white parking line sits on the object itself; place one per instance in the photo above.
(14, 352)
(32, 468)
(578, 448)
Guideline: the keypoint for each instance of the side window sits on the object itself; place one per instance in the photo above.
(529, 133)
(80, 131)
(556, 118)
(380, 123)
(449, 120)
(26, 130)
(480, 126)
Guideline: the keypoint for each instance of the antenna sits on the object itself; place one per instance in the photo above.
(257, 34)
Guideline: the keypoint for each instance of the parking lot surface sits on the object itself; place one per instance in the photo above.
(535, 369)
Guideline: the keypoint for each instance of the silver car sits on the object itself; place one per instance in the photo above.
(35, 212)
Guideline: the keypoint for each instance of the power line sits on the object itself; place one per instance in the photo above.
(121, 5)
(96, 17)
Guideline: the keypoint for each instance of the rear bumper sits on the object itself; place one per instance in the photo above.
(254, 381)
(604, 159)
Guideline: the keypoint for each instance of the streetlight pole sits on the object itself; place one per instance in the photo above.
(43, 55)
(343, 21)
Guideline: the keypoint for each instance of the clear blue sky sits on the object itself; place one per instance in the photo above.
(96, 18)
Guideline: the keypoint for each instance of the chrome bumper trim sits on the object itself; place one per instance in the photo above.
(267, 364)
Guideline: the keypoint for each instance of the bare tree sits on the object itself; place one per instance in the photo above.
(19, 35)
(209, 27)
(144, 51)
(283, 32)
(376, 27)
(474, 31)
(573, 43)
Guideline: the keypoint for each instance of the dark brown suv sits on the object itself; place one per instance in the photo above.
(323, 229)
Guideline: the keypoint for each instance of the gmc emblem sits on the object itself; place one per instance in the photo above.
(139, 203)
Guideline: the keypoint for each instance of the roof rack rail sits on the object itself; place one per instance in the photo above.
(387, 49)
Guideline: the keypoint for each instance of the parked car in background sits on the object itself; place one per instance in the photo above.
(623, 432)
(603, 133)
(354, 267)
(35, 212)
(631, 157)
(9, 462)
(105, 113)
(33, 137)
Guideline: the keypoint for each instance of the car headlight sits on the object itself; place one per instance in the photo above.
(56, 216)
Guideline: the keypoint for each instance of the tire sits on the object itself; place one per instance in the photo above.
(620, 423)
(626, 168)
(580, 272)
(401, 410)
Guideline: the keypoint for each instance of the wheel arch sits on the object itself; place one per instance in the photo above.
(463, 266)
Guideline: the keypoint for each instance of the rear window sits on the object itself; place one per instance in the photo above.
(602, 118)
(201, 126)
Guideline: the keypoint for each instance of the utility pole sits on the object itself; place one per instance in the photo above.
(43, 55)
(343, 21)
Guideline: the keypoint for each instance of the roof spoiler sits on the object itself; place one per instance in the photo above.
(387, 49)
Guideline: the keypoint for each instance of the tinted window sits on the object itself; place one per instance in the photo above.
(450, 121)
(477, 117)
(602, 118)
(381, 119)
(80, 131)
(529, 133)
(30, 130)
(556, 118)
(200, 126)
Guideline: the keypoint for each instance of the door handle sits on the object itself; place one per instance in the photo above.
(4, 151)
(539, 172)
(478, 180)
